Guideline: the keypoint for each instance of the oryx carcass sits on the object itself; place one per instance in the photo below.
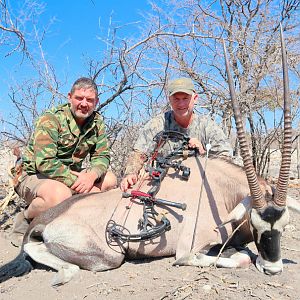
(89, 231)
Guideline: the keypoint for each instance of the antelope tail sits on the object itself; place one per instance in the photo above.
(19, 266)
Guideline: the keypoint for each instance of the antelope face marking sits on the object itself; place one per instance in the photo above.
(267, 227)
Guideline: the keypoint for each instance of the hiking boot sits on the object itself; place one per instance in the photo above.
(20, 226)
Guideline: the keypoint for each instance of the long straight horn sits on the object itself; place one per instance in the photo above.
(258, 200)
(281, 190)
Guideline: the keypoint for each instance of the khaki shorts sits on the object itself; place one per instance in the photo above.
(29, 186)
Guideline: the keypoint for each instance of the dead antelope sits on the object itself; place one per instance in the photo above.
(98, 231)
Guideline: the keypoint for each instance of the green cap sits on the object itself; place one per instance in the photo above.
(184, 85)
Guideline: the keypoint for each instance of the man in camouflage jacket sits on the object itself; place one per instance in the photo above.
(51, 169)
(182, 118)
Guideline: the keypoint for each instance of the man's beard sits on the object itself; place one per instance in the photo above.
(80, 115)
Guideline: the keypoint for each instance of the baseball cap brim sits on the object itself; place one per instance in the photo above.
(179, 90)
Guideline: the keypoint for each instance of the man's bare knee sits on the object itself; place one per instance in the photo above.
(58, 196)
(110, 179)
(53, 193)
(109, 182)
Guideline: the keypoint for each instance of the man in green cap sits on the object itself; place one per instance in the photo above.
(51, 167)
(181, 118)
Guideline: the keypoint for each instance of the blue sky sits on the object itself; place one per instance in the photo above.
(73, 31)
(80, 24)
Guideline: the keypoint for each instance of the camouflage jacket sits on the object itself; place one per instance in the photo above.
(202, 128)
(58, 145)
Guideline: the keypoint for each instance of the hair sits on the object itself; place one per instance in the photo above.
(84, 82)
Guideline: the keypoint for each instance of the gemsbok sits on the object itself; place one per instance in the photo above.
(185, 208)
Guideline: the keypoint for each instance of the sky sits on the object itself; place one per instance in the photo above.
(74, 32)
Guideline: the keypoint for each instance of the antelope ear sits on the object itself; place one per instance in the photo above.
(293, 204)
(238, 212)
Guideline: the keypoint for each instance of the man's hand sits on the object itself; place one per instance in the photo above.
(85, 181)
(128, 181)
(194, 143)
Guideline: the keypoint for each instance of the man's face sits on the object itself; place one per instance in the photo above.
(183, 104)
(83, 102)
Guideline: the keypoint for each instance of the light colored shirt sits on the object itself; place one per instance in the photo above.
(202, 128)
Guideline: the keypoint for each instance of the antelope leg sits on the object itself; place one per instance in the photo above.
(238, 260)
(39, 252)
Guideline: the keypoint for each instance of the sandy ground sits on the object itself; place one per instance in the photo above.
(158, 279)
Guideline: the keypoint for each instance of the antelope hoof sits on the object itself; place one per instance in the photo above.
(183, 261)
(64, 275)
(196, 260)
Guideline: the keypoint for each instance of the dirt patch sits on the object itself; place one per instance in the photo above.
(158, 279)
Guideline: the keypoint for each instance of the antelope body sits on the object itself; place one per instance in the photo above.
(73, 234)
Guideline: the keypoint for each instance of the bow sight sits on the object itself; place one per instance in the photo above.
(162, 164)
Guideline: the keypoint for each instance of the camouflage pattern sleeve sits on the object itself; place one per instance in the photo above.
(99, 154)
(144, 143)
(216, 137)
(45, 149)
